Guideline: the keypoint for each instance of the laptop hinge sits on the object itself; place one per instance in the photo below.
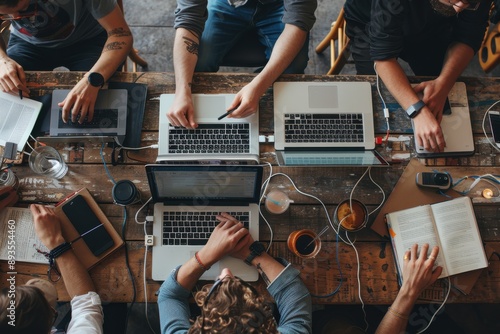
(323, 149)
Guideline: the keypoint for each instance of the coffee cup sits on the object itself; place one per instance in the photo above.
(304, 243)
(349, 218)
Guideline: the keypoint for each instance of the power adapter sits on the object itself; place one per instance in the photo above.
(149, 240)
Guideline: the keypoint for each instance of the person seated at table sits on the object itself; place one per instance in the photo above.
(34, 307)
(436, 38)
(89, 36)
(199, 46)
(230, 305)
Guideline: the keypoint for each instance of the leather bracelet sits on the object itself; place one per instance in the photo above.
(397, 314)
(197, 258)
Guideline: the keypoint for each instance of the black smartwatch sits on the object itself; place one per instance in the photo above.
(96, 79)
(256, 248)
(415, 108)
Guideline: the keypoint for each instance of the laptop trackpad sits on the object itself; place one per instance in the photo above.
(323, 97)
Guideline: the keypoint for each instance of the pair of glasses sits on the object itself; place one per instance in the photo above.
(470, 5)
(31, 11)
(218, 283)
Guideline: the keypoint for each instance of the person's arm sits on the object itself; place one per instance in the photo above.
(81, 99)
(418, 274)
(12, 76)
(185, 56)
(284, 52)
(48, 229)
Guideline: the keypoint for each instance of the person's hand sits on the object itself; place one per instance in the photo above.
(12, 77)
(228, 238)
(418, 270)
(245, 103)
(434, 96)
(181, 112)
(47, 226)
(428, 132)
(80, 100)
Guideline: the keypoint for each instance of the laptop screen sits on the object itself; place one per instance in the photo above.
(173, 184)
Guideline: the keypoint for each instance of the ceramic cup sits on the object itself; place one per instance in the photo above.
(277, 202)
(8, 179)
(45, 160)
(299, 243)
(351, 220)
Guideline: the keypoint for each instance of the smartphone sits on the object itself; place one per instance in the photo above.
(494, 117)
(436, 180)
(84, 219)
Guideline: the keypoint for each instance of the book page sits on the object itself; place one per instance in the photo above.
(18, 236)
(414, 226)
(459, 235)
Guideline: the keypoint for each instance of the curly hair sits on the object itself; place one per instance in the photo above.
(234, 308)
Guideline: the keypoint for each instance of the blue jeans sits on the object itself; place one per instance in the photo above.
(226, 24)
(80, 56)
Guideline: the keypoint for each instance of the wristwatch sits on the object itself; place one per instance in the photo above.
(96, 79)
(415, 108)
(256, 248)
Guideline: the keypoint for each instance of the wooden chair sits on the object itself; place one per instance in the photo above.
(134, 53)
(339, 45)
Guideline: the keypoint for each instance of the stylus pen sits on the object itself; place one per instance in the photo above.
(227, 113)
(21, 94)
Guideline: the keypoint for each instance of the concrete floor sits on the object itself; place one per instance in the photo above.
(152, 21)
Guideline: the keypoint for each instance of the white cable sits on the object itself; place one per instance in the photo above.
(358, 274)
(140, 209)
(145, 285)
(484, 130)
(384, 105)
(134, 148)
(440, 307)
(263, 191)
(381, 190)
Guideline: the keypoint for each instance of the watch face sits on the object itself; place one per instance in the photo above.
(96, 79)
(257, 247)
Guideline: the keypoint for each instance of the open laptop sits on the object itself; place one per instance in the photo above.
(188, 197)
(109, 121)
(17, 119)
(456, 127)
(324, 123)
(225, 141)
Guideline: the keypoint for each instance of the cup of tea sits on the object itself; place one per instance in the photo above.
(351, 219)
(277, 202)
(304, 243)
(46, 160)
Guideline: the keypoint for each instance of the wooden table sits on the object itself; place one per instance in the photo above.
(331, 184)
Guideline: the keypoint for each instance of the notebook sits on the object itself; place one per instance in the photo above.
(456, 127)
(17, 119)
(324, 123)
(225, 141)
(109, 121)
(182, 193)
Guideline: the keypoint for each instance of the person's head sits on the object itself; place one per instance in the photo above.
(231, 305)
(29, 307)
(12, 8)
(453, 7)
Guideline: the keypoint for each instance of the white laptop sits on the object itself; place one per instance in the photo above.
(229, 140)
(17, 119)
(456, 127)
(324, 123)
(109, 120)
(186, 200)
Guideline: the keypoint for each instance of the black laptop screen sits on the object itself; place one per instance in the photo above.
(171, 184)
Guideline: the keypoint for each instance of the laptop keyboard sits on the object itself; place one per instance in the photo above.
(193, 228)
(210, 138)
(103, 119)
(324, 128)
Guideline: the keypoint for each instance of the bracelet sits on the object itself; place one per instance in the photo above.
(54, 254)
(397, 314)
(197, 258)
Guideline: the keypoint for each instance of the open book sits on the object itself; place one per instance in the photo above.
(18, 223)
(451, 225)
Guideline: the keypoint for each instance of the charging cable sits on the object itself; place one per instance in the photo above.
(384, 105)
(440, 307)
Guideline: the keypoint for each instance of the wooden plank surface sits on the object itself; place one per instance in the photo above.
(330, 184)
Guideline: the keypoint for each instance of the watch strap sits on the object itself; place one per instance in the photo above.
(254, 253)
(415, 108)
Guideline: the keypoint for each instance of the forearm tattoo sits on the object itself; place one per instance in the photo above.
(263, 274)
(191, 46)
(114, 46)
(119, 32)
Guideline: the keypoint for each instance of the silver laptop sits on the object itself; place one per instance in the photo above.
(324, 123)
(229, 140)
(186, 200)
(109, 121)
(456, 127)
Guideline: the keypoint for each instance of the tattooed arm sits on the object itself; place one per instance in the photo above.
(118, 45)
(186, 44)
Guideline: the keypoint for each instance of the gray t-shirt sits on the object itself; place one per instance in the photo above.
(60, 23)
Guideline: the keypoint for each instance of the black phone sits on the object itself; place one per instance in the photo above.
(84, 219)
(495, 126)
(436, 180)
